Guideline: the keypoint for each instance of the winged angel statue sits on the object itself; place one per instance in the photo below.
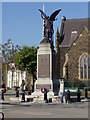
(48, 24)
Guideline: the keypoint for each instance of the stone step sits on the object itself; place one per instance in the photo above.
(15, 99)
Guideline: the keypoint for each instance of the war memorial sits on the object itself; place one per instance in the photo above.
(48, 99)
(46, 86)
(46, 58)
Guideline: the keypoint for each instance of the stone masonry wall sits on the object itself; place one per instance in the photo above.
(62, 59)
(79, 47)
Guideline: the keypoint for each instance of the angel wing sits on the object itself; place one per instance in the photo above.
(54, 14)
(42, 13)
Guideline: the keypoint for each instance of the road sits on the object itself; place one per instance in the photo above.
(45, 110)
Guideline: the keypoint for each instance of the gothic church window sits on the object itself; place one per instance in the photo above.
(84, 67)
(81, 67)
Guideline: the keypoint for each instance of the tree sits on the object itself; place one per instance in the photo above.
(26, 60)
(8, 52)
(8, 56)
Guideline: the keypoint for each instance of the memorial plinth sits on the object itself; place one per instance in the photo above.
(45, 77)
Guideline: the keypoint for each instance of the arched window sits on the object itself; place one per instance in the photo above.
(84, 67)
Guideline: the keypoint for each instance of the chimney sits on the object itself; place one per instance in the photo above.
(62, 28)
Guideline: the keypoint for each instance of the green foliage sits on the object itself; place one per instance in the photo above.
(26, 59)
(77, 83)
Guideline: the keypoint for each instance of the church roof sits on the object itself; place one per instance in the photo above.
(72, 29)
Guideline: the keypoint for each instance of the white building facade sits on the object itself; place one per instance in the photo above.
(15, 77)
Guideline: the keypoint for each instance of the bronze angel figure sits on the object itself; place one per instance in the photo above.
(48, 23)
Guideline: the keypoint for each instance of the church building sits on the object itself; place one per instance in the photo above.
(72, 56)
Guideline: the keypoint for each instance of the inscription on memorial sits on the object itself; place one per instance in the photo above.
(43, 65)
(48, 86)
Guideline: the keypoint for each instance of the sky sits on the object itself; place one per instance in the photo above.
(45, 0)
(22, 22)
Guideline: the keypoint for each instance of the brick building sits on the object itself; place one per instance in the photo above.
(73, 60)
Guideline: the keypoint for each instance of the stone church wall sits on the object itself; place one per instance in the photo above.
(63, 50)
(79, 47)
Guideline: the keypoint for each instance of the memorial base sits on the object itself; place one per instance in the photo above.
(45, 73)
(40, 96)
(43, 83)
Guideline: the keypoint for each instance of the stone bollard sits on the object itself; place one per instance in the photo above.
(17, 93)
(45, 95)
(29, 92)
(86, 93)
(50, 100)
(23, 96)
(61, 97)
(78, 95)
(2, 95)
(67, 97)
